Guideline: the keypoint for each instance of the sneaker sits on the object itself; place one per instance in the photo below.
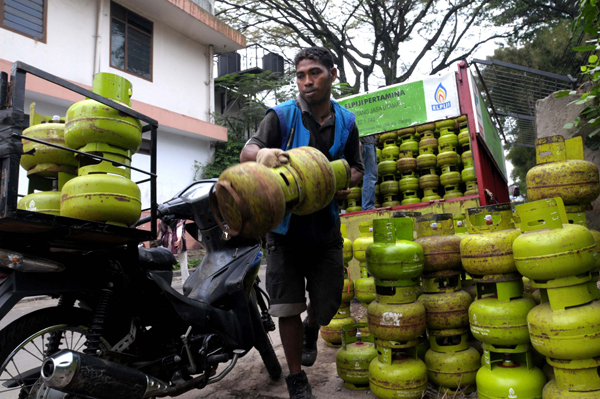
(298, 386)
(309, 350)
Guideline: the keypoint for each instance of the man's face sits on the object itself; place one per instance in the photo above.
(314, 81)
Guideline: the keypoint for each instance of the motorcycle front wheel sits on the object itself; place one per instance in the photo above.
(28, 340)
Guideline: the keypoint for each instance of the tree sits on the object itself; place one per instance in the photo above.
(549, 51)
(391, 38)
(245, 103)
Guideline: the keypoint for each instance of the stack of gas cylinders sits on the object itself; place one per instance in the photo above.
(102, 190)
(48, 168)
(425, 157)
(396, 319)
(365, 285)
(498, 317)
(451, 362)
(332, 333)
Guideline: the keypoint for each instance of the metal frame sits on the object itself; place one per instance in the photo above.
(514, 91)
(12, 124)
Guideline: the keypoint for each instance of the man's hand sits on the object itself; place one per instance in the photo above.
(272, 157)
(342, 194)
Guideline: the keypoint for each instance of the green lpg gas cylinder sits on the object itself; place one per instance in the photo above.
(468, 172)
(332, 333)
(447, 310)
(488, 249)
(43, 202)
(252, 199)
(570, 334)
(397, 322)
(365, 287)
(390, 150)
(354, 357)
(463, 138)
(577, 375)
(561, 171)
(102, 198)
(454, 368)
(552, 248)
(501, 319)
(441, 248)
(510, 378)
(394, 375)
(42, 159)
(392, 256)
(365, 238)
(347, 250)
(408, 140)
(553, 391)
(89, 121)
(387, 166)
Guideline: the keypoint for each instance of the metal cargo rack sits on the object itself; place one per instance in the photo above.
(34, 228)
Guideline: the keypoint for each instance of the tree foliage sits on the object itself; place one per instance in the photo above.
(548, 51)
(588, 122)
(245, 100)
(390, 39)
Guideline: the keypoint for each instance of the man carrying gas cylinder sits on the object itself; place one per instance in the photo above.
(306, 248)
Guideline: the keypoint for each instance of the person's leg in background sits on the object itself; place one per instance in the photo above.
(183, 265)
(370, 178)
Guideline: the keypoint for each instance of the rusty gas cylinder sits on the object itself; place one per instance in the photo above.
(252, 198)
(397, 373)
(447, 310)
(441, 247)
(488, 249)
(561, 171)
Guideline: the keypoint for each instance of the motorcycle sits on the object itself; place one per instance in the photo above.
(120, 331)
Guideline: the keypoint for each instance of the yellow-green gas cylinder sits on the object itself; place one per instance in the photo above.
(488, 249)
(252, 199)
(43, 202)
(441, 247)
(101, 197)
(365, 285)
(393, 255)
(407, 136)
(452, 366)
(395, 374)
(576, 375)
(580, 219)
(89, 121)
(401, 322)
(552, 248)
(347, 251)
(553, 391)
(570, 333)
(460, 225)
(354, 357)
(509, 376)
(332, 333)
(561, 171)
(499, 316)
(39, 158)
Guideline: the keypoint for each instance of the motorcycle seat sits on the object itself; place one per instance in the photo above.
(159, 258)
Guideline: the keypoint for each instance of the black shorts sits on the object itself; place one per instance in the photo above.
(290, 265)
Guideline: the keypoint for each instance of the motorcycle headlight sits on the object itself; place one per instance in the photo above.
(28, 263)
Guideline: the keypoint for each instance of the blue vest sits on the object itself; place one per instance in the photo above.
(290, 116)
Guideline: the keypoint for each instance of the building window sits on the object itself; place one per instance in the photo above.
(27, 17)
(130, 42)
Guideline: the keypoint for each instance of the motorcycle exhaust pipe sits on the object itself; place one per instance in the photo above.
(80, 374)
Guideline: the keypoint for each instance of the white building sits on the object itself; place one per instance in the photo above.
(164, 47)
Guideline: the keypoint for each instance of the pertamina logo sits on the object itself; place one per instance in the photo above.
(440, 98)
